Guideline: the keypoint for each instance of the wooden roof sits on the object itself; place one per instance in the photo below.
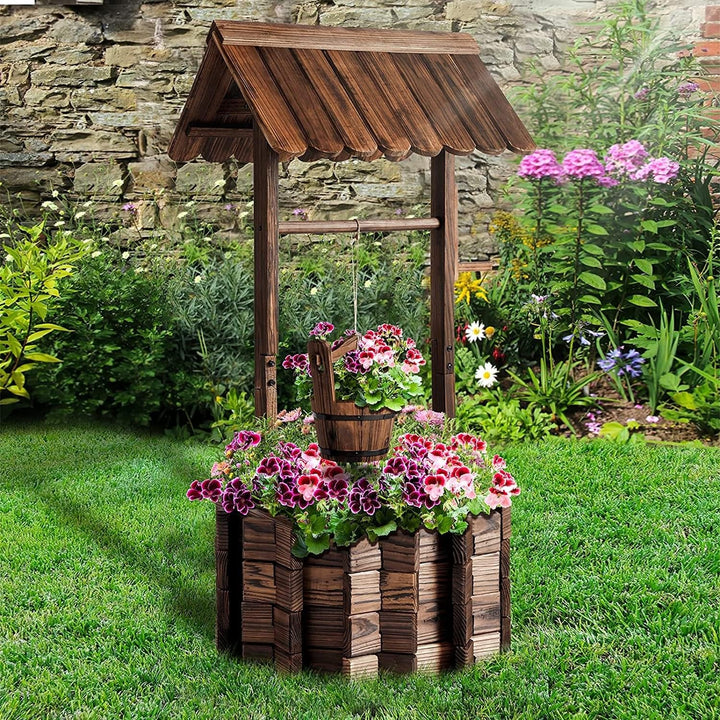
(321, 92)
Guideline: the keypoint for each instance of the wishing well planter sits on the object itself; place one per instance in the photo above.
(419, 601)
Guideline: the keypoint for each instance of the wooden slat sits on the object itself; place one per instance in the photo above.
(323, 586)
(400, 552)
(489, 94)
(486, 645)
(268, 104)
(382, 123)
(257, 623)
(434, 657)
(208, 131)
(486, 532)
(486, 573)
(399, 98)
(320, 227)
(360, 667)
(267, 275)
(448, 127)
(364, 555)
(204, 99)
(287, 629)
(362, 592)
(399, 591)
(434, 619)
(326, 38)
(260, 653)
(506, 523)
(289, 588)
(443, 271)
(324, 626)
(258, 581)
(326, 659)
(358, 140)
(398, 632)
(362, 635)
(284, 541)
(466, 104)
(217, 149)
(398, 662)
(486, 612)
(303, 101)
(258, 536)
(288, 663)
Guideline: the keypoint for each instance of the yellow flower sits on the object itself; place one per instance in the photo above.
(489, 331)
(466, 287)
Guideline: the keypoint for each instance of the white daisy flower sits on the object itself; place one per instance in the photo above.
(486, 375)
(475, 331)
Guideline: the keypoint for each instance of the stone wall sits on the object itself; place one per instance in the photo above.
(89, 98)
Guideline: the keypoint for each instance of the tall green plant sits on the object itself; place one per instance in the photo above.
(34, 264)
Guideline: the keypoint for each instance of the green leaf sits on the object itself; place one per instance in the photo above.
(642, 301)
(14, 345)
(685, 400)
(593, 280)
(395, 404)
(37, 335)
(644, 265)
(42, 357)
(594, 229)
(590, 261)
(650, 226)
(590, 299)
(644, 280)
(601, 210)
(386, 529)
(317, 546)
(637, 245)
(8, 401)
(593, 249)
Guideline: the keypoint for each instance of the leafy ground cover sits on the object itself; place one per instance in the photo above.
(107, 600)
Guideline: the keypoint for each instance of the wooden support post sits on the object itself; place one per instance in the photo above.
(265, 189)
(443, 271)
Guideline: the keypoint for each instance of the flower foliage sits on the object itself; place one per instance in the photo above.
(432, 478)
(382, 372)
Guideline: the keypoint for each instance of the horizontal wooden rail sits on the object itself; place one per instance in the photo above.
(301, 227)
(239, 133)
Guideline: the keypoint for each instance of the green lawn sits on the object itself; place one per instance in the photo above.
(107, 591)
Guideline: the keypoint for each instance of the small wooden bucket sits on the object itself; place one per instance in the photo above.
(346, 432)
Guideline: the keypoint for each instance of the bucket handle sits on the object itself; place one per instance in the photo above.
(321, 358)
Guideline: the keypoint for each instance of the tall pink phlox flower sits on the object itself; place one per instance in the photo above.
(583, 163)
(625, 159)
(662, 169)
(539, 165)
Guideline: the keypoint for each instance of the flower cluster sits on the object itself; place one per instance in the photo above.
(628, 160)
(426, 480)
(382, 371)
(466, 287)
(622, 363)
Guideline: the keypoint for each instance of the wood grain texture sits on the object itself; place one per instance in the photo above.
(320, 227)
(506, 523)
(285, 663)
(287, 628)
(484, 88)
(485, 573)
(360, 667)
(462, 623)
(505, 558)
(486, 612)
(362, 635)
(358, 140)
(204, 99)
(326, 38)
(284, 541)
(323, 586)
(399, 591)
(303, 101)
(324, 626)
(398, 632)
(268, 104)
(363, 556)
(325, 659)
(400, 552)
(267, 275)
(362, 592)
(449, 130)
(259, 653)
(257, 623)
(398, 662)
(479, 124)
(389, 133)
(258, 537)
(228, 580)
(486, 645)
(443, 271)
(435, 657)
(258, 581)
(486, 532)
(289, 588)
(435, 620)
(399, 98)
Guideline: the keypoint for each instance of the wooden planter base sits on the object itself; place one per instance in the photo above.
(418, 601)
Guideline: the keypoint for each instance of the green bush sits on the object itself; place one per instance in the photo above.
(119, 358)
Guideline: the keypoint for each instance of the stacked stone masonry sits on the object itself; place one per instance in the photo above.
(90, 95)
